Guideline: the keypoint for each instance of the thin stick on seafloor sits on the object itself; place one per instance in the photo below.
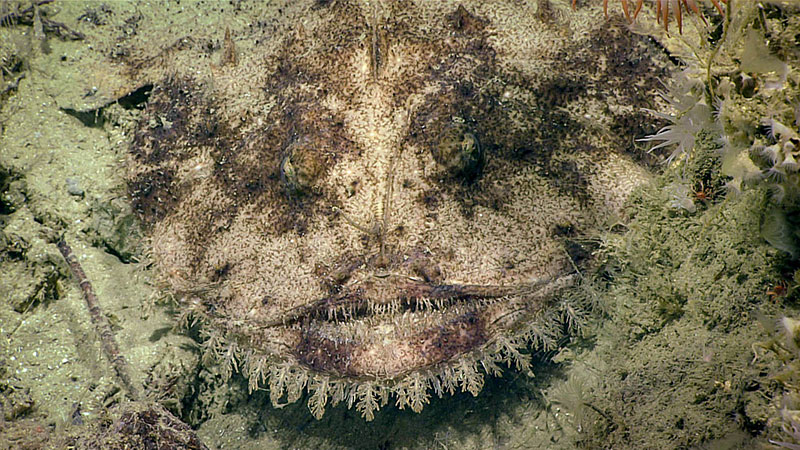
(100, 321)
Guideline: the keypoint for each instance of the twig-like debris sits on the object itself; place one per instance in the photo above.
(100, 321)
(13, 17)
(11, 85)
(28, 15)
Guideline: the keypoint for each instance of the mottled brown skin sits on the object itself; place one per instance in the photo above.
(381, 190)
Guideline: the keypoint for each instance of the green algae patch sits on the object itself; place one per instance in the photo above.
(684, 308)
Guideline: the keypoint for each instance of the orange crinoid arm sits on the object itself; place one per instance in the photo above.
(663, 10)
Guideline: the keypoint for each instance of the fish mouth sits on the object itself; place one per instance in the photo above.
(383, 294)
(407, 324)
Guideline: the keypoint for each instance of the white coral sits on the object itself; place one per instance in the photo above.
(782, 155)
(691, 116)
(681, 133)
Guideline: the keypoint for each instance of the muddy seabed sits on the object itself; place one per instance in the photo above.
(671, 356)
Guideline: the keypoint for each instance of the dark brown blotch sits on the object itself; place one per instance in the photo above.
(445, 342)
(153, 195)
(324, 354)
(175, 117)
(463, 21)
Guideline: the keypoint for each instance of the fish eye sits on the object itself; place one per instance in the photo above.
(458, 152)
(300, 168)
